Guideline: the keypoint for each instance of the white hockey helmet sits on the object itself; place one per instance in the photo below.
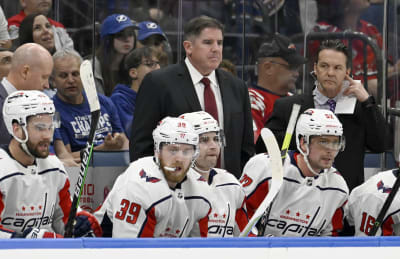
(203, 122)
(318, 122)
(20, 105)
(175, 130)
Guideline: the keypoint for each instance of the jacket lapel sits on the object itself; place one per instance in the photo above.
(185, 85)
(226, 94)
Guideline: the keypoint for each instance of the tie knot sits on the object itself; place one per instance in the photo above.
(205, 81)
(332, 105)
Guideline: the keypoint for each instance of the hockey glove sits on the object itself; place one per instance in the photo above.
(31, 233)
(86, 225)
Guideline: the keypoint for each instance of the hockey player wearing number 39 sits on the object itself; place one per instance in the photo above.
(228, 216)
(34, 196)
(311, 199)
(160, 195)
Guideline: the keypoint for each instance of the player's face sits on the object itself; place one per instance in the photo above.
(210, 147)
(123, 41)
(323, 150)
(330, 71)
(36, 6)
(178, 156)
(42, 33)
(67, 80)
(40, 133)
(205, 51)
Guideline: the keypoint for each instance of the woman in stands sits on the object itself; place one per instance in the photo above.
(37, 28)
(117, 40)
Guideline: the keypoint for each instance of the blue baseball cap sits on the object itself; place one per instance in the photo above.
(148, 28)
(115, 23)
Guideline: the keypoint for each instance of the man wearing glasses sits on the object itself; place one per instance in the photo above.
(363, 125)
(277, 66)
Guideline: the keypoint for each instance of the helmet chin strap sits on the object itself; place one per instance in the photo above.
(200, 170)
(23, 142)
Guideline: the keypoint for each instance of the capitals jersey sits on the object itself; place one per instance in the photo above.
(262, 103)
(141, 204)
(366, 201)
(228, 217)
(304, 206)
(33, 196)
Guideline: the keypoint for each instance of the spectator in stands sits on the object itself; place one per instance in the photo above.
(197, 84)
(30, 69)
(5, 42)
(118, 38)
(278, 66)
(61, 37)
(138, 63)
(151, 35)
(344, 15)
(37, 28)
(5, 62)
(71, 102)
(228, 66)
(364, 126)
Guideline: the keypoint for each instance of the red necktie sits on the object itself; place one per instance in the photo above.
(210, 105)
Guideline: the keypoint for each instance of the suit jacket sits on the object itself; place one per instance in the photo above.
(365, 129)
(170, 92)
(4, 136)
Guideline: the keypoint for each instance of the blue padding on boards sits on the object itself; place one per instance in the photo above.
(199, 242)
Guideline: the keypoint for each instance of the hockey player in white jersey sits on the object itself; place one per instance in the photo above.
(228, 216)
(34, 196)
(160, 196)
(366, 201)
(311, 199)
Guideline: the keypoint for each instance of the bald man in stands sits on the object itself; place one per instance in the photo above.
(31, 68)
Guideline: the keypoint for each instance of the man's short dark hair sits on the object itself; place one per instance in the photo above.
(336, 45)
(196, 25)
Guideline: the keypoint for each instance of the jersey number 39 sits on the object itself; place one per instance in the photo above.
(130, 208)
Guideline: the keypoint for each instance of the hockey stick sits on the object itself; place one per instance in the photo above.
(276, 182)
(93, 100)
(385, 207)
(262, 211)
(285, 147)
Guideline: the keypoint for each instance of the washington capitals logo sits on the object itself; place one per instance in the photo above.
(381, 186)
(148, 179)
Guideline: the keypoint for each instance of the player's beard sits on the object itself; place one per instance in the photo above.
(34, 149)
(178, 175)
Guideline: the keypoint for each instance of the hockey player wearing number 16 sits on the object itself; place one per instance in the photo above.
(228, 216)
(34, 196)
(311, 199)
(160, 195)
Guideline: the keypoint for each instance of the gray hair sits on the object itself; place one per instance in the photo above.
(62, 53)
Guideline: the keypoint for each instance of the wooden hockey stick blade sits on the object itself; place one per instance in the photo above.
(385, 207)
(289, 130)
(277, 178)
(89, 85)
(91, 94)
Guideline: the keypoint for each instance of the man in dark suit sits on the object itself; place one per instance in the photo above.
(31, 68)
(181, 88)
(364, 128)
